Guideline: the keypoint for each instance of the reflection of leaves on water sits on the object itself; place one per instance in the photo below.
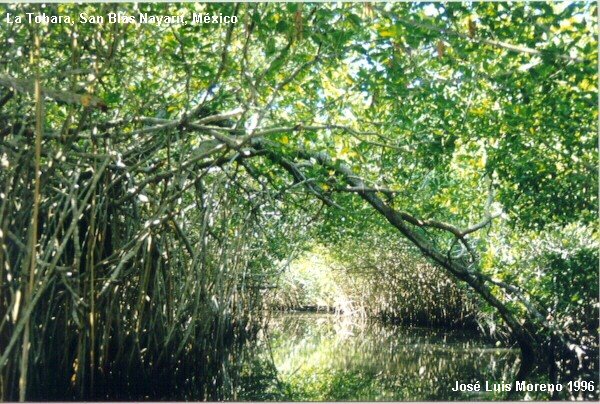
(324, 357)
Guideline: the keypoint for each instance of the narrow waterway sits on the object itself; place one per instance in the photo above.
(328, 357)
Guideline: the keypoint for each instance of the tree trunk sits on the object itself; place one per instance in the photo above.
(519, 330)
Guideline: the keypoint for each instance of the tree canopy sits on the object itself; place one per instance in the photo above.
(470, 129)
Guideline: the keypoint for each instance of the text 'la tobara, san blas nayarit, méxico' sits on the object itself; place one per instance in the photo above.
(120, 18)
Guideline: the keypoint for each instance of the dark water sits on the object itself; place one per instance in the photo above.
(326, 357)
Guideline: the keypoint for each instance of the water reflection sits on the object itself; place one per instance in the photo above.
(324, 357)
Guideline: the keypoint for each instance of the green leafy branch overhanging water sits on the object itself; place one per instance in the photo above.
(184, 167)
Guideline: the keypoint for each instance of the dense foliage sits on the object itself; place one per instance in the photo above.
(157, 179)
(367, 279)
